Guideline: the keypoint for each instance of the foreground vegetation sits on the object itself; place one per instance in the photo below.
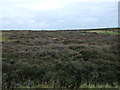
(60, 59)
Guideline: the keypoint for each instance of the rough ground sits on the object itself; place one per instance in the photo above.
(60, 59)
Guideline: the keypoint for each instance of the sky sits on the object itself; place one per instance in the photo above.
(58, 14)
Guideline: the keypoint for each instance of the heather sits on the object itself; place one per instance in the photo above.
(60, 59)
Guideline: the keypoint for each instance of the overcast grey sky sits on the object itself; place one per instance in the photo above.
(58, 14)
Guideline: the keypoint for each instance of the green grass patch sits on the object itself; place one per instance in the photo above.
(81, 86)
(97, 86)
(105, 32)
(109, 32)
(6, 38)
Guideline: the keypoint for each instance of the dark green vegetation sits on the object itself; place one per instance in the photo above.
(60, 59)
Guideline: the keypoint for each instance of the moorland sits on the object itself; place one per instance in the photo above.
(61, 59)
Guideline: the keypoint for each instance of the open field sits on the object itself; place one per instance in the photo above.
(61, 59)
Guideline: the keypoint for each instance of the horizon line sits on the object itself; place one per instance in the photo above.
(56, 29)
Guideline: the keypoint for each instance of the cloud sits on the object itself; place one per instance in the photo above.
(41, 6)
(57, 14)
(94, 0)
(41, 1)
